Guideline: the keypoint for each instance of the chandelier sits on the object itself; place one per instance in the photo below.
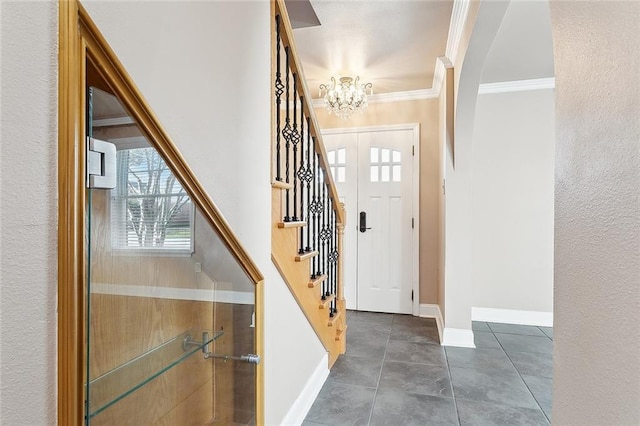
(346, 97)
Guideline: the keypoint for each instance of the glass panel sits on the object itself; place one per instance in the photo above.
(385, 174)
(396, 174)
(385, 155)
(331, 156)
(333, 172)
(374, 155)
(374, 173)
(342, 156)
(397, 156)
(342, 174)
(163, 291)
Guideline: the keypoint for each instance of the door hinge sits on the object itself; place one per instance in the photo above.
(412, 295)
(413, 150)
(443, 186)
(101, 164)
(413, 225)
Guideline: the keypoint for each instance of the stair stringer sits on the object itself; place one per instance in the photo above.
(284, 249)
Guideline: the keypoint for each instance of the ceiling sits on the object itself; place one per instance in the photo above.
(394, 44)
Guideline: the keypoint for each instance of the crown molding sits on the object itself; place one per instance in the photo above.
(517, 86)
(456, 25)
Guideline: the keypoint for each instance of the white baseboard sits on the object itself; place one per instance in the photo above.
(510, 316)
(458, 337)
(302, 405)
(428, 310)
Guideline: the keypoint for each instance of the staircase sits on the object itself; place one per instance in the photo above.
(307, 216)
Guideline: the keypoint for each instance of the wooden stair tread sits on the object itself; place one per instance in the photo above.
(334, 318)
(317, 280)
(341, 333)
(305, 256)
(296, 224)
(281, 185)
(325, 303)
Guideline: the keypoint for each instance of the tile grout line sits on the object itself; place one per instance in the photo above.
(520, 375)
(384, 356)
(453, 392)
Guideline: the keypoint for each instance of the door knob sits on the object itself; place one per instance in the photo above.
(363, 222)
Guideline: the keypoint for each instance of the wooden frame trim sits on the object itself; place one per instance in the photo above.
(71, 218)
(108, 65)
(80, 40)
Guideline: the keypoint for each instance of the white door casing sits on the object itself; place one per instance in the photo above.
(376, 170)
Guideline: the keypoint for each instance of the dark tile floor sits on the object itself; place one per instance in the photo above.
(396, 373)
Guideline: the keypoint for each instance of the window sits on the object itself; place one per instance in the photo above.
(386, 165)
(149, 208)
(338, 164)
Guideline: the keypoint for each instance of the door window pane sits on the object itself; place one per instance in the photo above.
(385, 174)
(374, 173)
(396, 173)
(374, 155)
(342, 156)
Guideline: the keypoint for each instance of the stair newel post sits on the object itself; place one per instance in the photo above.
(302, 173)
(279, 87)
(340, 278)
(308, 179)
(341, 303)
(286, 134)
(295, 138)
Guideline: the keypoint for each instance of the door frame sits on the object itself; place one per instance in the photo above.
(415, 199)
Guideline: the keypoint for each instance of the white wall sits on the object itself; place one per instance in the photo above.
(597, 220)
(204, 68)
(513, 158)
(480, 29)
(28, 219)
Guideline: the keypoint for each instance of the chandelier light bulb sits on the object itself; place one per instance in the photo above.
(345, 97)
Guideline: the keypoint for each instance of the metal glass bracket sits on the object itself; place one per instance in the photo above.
(248, 358)
(101, 164)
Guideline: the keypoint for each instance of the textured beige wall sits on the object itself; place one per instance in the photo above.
(426, 113)
(28, 216)
(597, 220)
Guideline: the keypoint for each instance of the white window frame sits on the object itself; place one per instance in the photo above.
(119, 218)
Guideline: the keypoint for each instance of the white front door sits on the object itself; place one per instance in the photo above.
(374, 174)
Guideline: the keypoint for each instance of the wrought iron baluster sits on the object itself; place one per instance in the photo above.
(287, 133)
(279, 88)
(332, 246)
(313, 212)
(295, 138)
(308, 179)
(318, 214)
(302, 173)
(335, 256)
(325, 229)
